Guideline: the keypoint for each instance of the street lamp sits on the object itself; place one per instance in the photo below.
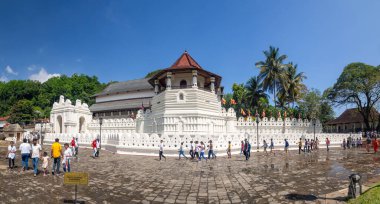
(257, 123)
(314, 121)
(100, 137)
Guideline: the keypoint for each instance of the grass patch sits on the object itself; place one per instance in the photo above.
(371, 196)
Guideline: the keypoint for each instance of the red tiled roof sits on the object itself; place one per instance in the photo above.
(352, 116)
(4, 118)
(185, 61)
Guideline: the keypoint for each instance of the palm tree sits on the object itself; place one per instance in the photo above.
(292, 84)
(271, 70)
(254, 92)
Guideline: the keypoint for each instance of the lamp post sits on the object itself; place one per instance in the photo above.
(100, 137)
(314, 121)
(257, 123)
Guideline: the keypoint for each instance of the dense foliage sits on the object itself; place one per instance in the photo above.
(25, 100)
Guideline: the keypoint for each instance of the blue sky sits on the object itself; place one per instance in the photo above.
(122, 40)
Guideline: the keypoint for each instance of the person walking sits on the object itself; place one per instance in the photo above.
(368, 143)
(300, 146)
(45, 163)
(286, 146)
(242, 148)
(161, 152)
(93, 145)
(229, 149)
(265, 146)
(197, 148)
(97, 147)
(191, 150)
(327, 143)
(374, 144)
(202, 151)
(67, 155)
(249, 150)
(11, 155)
(344, 143)
(36, 148)
(73, 146)
(246, 150)
(181, 152)
(211, 151)
(76, 147)
(56, 154)
(305, 147)
(25, 149)
(271, 147)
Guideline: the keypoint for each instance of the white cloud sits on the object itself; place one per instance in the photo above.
(42, 76)
(31, 67)
(9, 70)
(3, 78)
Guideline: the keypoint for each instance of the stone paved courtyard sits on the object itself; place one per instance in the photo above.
(137, 179)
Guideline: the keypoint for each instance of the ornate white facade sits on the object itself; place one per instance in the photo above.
(186, 107)
(68, 118)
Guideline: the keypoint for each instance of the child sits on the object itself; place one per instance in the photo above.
(45, 162)
(11, 155)
(66, 158)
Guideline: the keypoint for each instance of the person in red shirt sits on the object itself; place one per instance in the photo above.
(73, 146)
(375, 145)
(93, 145)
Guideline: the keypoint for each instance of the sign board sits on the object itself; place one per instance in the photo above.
(76, 178)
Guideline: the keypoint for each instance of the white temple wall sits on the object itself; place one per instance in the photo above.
(148, 143)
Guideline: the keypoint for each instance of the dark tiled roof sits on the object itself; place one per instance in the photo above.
(126, 86)
(13, 128)
(351, 116)
(120, 105)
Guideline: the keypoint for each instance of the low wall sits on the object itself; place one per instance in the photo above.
(146, 144)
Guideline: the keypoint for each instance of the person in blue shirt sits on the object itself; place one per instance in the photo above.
(286, 146)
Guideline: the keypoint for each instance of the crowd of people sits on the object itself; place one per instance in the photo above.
(197, 151)
(58, 156)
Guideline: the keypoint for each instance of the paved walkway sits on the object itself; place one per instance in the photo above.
(117, 178)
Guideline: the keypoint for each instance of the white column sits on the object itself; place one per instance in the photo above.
(195, 78)
(212, 87)
(156, 86)
(169, 81)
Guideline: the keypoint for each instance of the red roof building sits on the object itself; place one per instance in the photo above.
(351, 121)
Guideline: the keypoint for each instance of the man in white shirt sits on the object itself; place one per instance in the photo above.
(36, 148)
(25, 149)
(161, 153)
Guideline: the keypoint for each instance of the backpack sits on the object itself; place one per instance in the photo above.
(286, 144)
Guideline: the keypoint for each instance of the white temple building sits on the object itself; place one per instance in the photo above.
(181, 103)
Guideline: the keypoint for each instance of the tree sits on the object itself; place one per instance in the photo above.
(311, 103)
(240, 96)
(292, 84)
(359, 84)
(254, 93)
(271, 70)
(151, 74)
(22, 112)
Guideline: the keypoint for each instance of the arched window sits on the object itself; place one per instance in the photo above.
(183, 84)
(181, 98)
